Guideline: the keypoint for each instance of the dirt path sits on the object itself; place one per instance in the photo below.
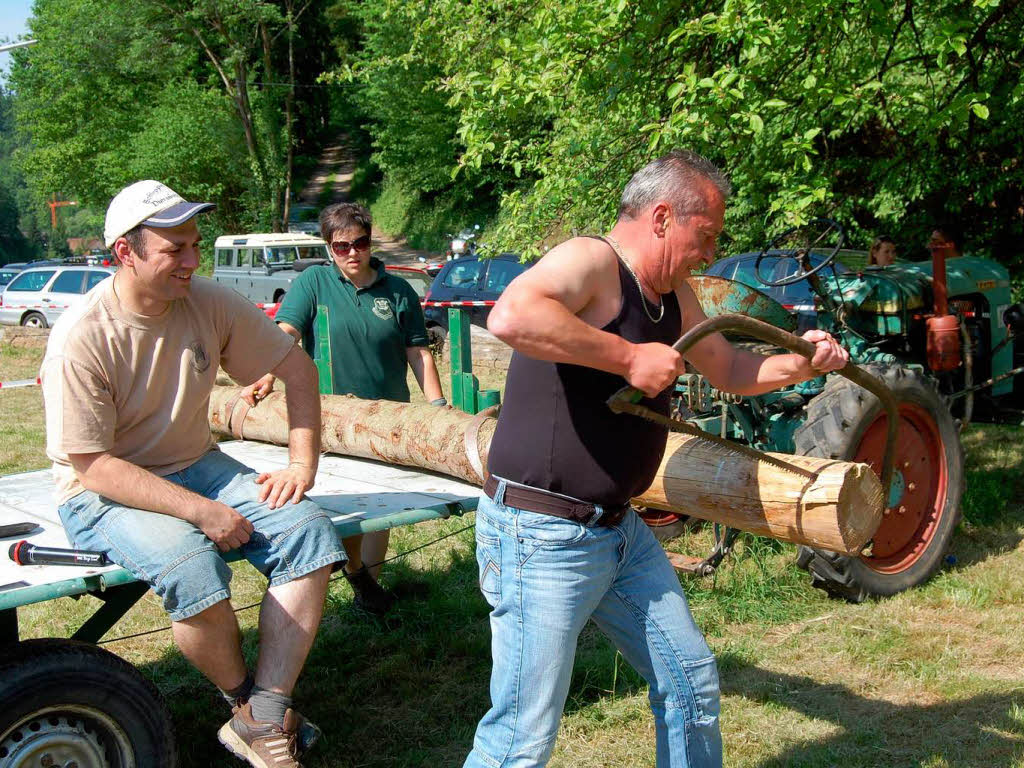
(338, 161)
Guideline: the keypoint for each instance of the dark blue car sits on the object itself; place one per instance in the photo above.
(798, 297)
(470, 279)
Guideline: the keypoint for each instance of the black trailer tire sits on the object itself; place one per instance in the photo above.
(847, 422)
(82, 705)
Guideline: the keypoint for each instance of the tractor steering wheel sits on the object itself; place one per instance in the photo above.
(808, 238)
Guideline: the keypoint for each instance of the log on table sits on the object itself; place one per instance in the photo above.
(420, 435)
(823, 503)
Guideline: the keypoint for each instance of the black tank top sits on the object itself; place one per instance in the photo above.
(556, 432)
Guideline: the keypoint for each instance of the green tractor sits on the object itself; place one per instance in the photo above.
(942, 335)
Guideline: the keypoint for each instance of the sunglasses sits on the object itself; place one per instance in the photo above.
(342, 247)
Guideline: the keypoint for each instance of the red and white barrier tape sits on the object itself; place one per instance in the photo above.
(19, 383)
(37, 306)
(458, 304)
(271, 309)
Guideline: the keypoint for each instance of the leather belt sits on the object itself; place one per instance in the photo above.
(536, 500)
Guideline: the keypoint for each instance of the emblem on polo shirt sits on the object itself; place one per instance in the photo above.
(200, 361)
(382, 309)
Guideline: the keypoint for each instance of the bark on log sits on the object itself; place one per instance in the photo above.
(828, 504)
(823, 503)
(412, 435)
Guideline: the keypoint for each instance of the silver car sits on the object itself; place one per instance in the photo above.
(36, 297)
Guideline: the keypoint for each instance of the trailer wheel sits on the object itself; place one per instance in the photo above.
(65, 703)
(847, 422)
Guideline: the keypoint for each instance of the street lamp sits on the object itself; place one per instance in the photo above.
(20, 44)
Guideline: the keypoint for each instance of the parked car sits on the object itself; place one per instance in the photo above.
(798, 297)
(37, 296)
(262, 267)
(8, 271)
(418, 278)
(470, 278)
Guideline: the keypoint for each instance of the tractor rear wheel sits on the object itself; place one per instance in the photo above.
(847, 422)
(664, 525)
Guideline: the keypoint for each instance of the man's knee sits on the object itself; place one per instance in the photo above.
(193, 583)
(306, 543)
(692, 688)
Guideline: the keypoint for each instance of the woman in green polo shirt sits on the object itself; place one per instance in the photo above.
(376, 333)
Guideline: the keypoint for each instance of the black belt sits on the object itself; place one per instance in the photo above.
(536, 500)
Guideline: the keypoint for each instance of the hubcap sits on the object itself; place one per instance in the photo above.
(65, 737)
(918, 495)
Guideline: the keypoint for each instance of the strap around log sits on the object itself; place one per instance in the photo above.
(473, 443)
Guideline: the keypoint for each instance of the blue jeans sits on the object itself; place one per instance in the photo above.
(544, 577)
(176, 558)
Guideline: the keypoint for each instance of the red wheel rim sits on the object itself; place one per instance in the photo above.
(909, 525)
(655, 518)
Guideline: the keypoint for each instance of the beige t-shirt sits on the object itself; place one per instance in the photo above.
(139, 387)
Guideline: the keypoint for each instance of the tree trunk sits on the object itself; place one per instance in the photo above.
(822, 503)
(420, 435)
(826, 504)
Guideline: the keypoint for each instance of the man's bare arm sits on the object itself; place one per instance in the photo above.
(745, 373)
(262, 387)
(303, 401)
(544, 314)
(133, 486)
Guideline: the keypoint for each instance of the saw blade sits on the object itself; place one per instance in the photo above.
(675, 425)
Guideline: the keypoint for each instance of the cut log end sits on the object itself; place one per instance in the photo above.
(821, 503)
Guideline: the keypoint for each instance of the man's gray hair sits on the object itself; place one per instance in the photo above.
(676, 179)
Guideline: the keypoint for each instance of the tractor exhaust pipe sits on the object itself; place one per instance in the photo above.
(943, 345)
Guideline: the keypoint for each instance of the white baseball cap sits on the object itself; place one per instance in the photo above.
(147, 202)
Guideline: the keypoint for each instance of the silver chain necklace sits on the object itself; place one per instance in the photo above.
(643, 299)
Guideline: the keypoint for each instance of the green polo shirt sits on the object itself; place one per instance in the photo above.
(370, 328)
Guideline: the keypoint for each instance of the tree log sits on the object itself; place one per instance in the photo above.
(412, 435)
(822, 503)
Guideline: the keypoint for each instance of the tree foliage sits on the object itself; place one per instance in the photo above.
(196, 92)
(885, 115)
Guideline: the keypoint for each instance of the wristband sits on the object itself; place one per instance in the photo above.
(440, 402)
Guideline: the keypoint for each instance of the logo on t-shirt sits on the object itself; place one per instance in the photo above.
(382, 309)
(200, 362)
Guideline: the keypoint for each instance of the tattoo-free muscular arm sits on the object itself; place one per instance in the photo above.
(303, 402)
(541, 314)
(132, 486)
(745, 373)
(263, 386)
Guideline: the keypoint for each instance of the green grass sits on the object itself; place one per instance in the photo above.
(932, 677)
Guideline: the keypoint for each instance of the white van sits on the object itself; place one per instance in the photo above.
(262, 266)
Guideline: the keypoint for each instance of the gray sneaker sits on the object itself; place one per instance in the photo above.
(261, 744)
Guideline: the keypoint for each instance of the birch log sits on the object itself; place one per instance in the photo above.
(822, 503)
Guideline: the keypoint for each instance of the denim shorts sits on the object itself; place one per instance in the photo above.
(176, 558)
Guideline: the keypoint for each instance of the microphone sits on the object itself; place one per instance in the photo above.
(23, 553)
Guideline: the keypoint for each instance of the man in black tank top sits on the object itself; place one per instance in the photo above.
(557, 543)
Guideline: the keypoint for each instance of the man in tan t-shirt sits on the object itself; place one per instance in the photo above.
(126, 382)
